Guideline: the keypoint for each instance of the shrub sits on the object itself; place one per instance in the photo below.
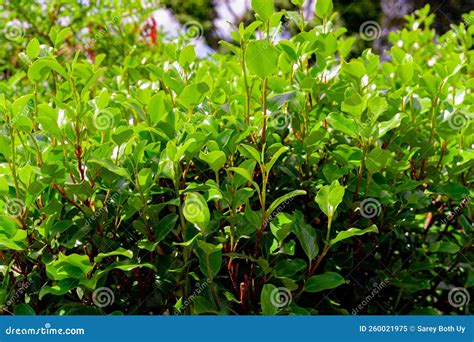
(274, 177)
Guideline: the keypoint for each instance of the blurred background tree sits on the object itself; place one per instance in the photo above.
(353, 13)
(149, 18)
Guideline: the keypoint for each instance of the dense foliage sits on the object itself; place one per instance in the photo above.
(275, 177)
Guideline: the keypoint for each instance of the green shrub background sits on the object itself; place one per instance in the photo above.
(273, 177)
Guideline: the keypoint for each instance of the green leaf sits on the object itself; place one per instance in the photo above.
(245, 174)
(377, 159)
(3, 185)
(354, 104)
(289, 267)
(215, 159)
(264, 8)
(250, 152)
(102, 101)
(187, 55)
(202, 306)
(455, 191)
(269, 165)
(127, 266)
(325, 281)
(329, 197)
(281, 226)
(165, 226)
(33, 49)
(355, 68)
(48, 119)
(405, 71)
(119, 171)
(444, 247)
(23, 310)
(23, 123)
(339, 122)
(23, 106)
(16, 242)
(71, 266)
(267, 299)
(122, 135)
(196, 211)
(59, 39)
(40, 69)
(384, 127)
(5, 146)
(353, 232)
(284, 198)
(298, 3)
(145, 178)
(183, 148)
(118, 252)
(323, 8)
(192, 94)
(306, 235)
(262, 58)
(156, 108)
(210, 258)
(60, 288)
